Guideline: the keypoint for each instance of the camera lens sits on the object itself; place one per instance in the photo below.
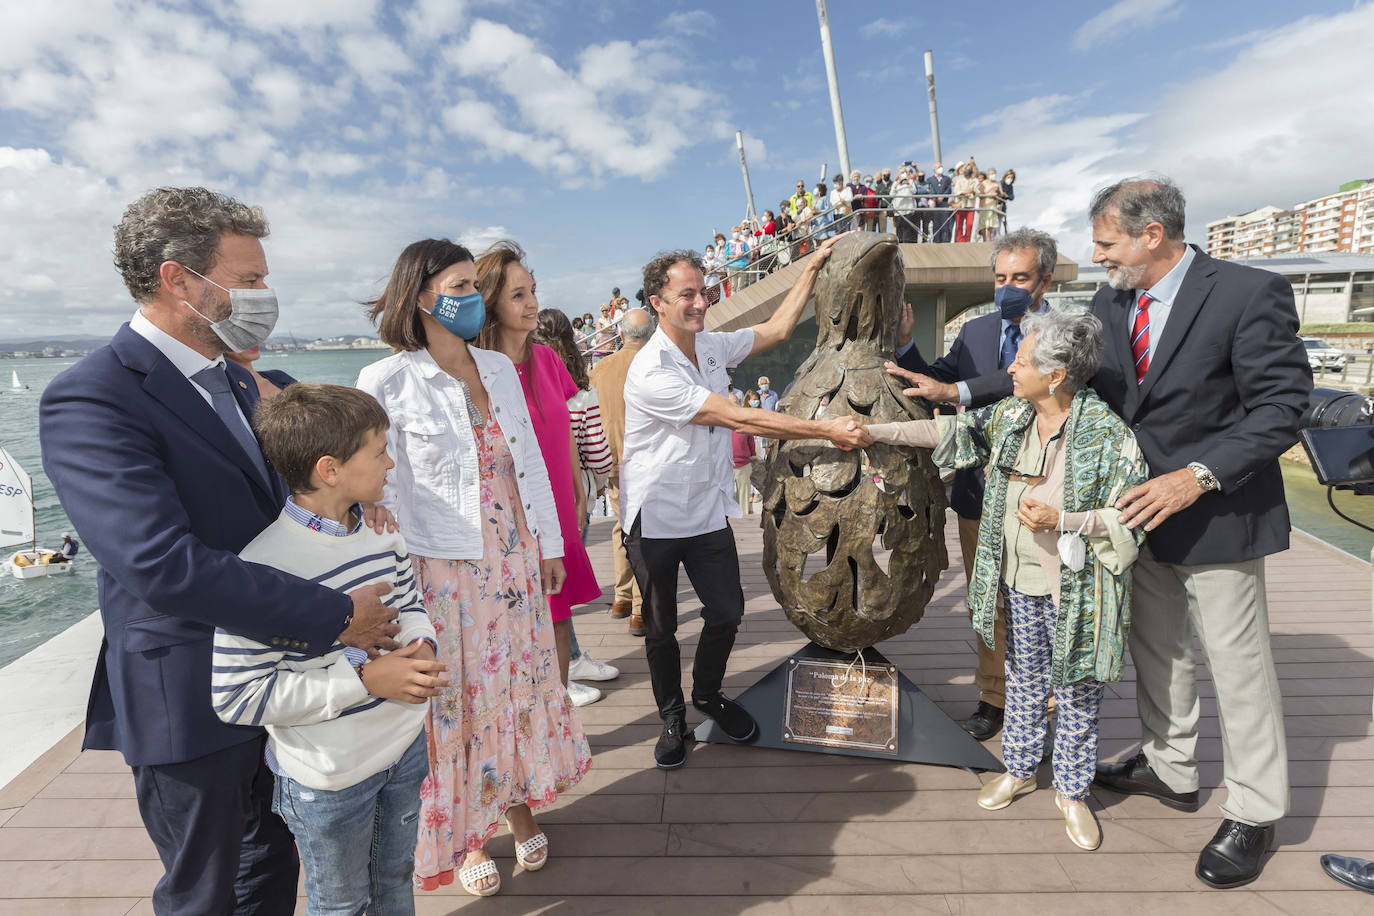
(1332, 407)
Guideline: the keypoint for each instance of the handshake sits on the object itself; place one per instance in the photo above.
(846, 433)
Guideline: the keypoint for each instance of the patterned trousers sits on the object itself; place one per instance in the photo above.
(1031, 621)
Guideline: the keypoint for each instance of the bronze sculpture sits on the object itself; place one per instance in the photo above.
(853, 504)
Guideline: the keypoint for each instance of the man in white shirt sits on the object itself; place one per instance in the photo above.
(676, 482)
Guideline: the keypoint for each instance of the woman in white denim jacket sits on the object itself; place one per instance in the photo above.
(472, 496)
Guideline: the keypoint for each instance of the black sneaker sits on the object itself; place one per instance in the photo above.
(732, 718)
(670, 752)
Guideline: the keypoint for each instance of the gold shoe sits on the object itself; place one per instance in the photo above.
(1079, 823)
(1003, 790)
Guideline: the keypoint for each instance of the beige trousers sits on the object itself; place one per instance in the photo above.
(1225, 606)
(991, 675)
(626, 588)
(744, 493)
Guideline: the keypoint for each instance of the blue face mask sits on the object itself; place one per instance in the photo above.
(461, 316)
(1012, 301)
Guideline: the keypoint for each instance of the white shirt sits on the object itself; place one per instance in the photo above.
(435, 488)
(187, 361)
(677, 476)
(1162, 296)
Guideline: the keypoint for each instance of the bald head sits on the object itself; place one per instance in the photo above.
(636, 327)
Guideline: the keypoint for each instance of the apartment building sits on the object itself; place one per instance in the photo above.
(1342, 221)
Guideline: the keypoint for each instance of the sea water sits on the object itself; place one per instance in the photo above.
(34, 610)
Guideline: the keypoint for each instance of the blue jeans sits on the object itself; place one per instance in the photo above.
(358, 844)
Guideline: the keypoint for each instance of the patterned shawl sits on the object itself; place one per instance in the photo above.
(1102, 461)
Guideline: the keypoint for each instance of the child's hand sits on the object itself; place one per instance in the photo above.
(402, 675)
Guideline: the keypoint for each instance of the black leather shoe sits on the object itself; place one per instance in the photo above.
(732, 718)
(1356, 873)
(1235, 856)
(1134, 777)
(985, 722)
(671, 751)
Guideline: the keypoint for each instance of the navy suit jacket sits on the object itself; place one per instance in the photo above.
(1227, 384)
(164, 498)
(972, 360)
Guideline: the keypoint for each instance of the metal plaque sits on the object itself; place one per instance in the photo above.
(839, 704)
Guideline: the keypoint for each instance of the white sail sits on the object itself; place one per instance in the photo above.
(14, 381)
(16, 502)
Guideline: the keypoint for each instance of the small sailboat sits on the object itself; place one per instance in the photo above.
(17, 528)
(15, 384)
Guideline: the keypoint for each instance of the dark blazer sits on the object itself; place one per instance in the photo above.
(164, 498)
(973, 360)
(278, 377)
(1226, 387)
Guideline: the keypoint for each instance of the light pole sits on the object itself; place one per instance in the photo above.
(829, 51)
(934, 118)
(744, 167)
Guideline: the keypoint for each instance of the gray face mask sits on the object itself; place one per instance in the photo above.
(252, 316)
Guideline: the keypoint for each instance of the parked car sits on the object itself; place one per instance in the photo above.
(1323, 357)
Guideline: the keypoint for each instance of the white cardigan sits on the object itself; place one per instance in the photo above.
(434, 490)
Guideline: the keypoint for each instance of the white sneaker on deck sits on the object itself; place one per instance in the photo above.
(586, 668)
(582, 695)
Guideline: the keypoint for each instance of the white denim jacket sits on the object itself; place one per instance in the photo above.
(434, 490)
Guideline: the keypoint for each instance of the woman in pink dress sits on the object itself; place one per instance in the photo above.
(508, 288)
(471, 490)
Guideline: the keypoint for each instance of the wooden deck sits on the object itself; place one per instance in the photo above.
(759, 831)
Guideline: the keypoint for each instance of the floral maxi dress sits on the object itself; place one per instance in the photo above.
(505, 733)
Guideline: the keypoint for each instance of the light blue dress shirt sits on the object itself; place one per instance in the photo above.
(1162, 295)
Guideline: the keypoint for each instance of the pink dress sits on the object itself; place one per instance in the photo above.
(547, 400)
(505, 733)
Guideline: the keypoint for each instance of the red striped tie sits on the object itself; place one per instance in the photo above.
(1140, 339)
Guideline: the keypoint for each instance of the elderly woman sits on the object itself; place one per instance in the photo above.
(1051, 541)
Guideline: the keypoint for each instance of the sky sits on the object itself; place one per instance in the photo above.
(597, 133)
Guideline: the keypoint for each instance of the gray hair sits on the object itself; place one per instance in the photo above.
(1069, 338)
(1046, 251)
(1137, 202)
(177, 224)
(638, 331)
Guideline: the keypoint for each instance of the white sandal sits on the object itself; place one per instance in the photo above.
(524, 850)
(468, 877)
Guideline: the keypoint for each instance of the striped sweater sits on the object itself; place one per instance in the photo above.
(593, 451)
(325, 730)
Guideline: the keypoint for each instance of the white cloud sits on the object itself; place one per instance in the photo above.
(374, 57)
(886, 27)
(428, 21)
(302, 15)
(1124, 20)
(480, 239)
(689, 22)
(1205, 134)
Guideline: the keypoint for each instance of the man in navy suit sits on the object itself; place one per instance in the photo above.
(972, 374)
(1204, 362)
(940, 185)
(149, 445)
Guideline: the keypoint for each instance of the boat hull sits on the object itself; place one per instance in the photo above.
(36, 568)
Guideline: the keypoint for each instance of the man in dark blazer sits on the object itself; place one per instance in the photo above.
(940, 185)
(974, 373)
(1203, 361)
(137, 441)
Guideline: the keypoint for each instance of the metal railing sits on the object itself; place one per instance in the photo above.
(914, 218)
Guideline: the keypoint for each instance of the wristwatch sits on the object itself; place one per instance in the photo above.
(1206, 480)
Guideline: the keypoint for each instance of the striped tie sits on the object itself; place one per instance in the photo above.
(1140, 338)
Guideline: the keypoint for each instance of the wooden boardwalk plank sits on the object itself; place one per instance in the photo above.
(759, 831)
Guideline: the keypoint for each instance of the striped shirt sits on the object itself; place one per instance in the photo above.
(593, 450)
(324, 730)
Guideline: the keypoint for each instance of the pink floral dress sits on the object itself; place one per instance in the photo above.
(505, 733)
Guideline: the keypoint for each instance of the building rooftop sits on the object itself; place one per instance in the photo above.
(1297, 264)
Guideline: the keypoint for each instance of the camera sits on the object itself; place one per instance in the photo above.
(1337, 432)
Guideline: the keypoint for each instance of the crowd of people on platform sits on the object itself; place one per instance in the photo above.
(969, 203)
(339, 620)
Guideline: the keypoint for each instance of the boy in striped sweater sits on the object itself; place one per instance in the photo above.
(345, 733)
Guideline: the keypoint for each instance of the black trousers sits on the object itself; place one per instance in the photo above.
(223, 849)
(712, 565)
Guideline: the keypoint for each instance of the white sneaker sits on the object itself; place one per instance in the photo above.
(586, 668)
(582, 695)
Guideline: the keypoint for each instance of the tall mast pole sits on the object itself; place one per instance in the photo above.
(829, 51)
(934, 118)
(744, 167)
